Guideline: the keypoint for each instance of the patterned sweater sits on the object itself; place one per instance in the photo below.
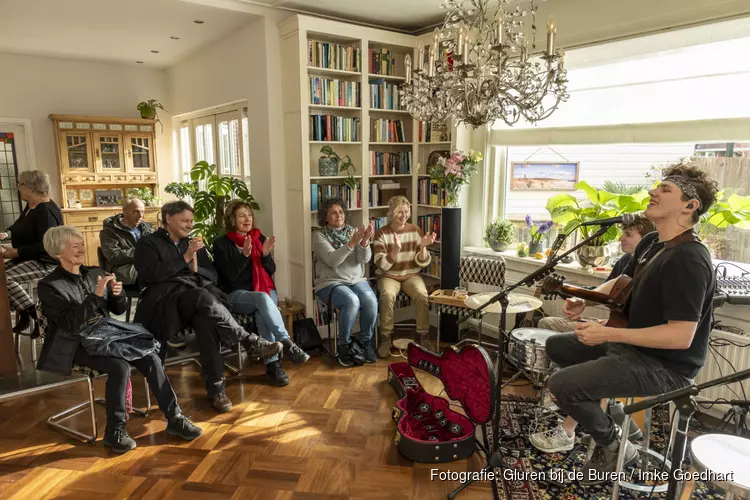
(407, 263)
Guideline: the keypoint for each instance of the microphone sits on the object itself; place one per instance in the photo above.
(621, 219)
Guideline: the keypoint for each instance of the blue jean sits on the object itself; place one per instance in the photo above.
(350, 301)
(267, 316)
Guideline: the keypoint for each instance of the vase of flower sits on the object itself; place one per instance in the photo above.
(538, 229)
(452, 173)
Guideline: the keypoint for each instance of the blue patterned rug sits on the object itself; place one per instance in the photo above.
(517, 417)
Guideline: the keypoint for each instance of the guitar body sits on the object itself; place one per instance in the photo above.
(616, 300)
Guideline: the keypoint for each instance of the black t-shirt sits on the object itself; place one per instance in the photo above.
(620, 266)
(28, 231)
(677, 286)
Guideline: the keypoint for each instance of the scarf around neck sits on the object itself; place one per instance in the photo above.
(337, 237)
(262, 282)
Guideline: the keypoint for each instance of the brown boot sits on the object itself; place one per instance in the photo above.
(221, 403)
(384, 349)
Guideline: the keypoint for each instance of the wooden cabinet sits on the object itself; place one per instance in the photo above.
(76, 152)
(109, 154)
(140, 153)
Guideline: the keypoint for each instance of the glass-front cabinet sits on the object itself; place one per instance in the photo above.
(76, 152)
(108, 153)
(140, 153)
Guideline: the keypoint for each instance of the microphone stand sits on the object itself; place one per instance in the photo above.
(684, 399)
(494, 453)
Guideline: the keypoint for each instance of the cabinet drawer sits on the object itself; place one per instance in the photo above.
(119, 178)
(88, 218)
(105, 178)
(149, 177)
(135, 178)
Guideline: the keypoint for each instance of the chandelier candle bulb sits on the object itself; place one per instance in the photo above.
(499, 18)
(420, 56)
(407, 68)
(467, 49)
(551, 30)
(460, 41)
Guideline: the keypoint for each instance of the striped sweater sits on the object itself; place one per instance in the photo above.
(407, 262)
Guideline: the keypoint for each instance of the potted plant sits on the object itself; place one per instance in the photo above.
(145, 194)
(210, 193)
(453, 172)
(537, 230)
(148, 110)
(331, 164)
(500, 234)
(568, 211)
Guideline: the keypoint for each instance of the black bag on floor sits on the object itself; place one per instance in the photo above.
(306, 334)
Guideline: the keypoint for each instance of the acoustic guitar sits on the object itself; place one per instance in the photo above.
(615, 300)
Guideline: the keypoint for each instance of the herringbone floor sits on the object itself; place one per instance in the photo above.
(327, 435)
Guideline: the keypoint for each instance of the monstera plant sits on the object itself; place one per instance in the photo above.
(209, 193)
(569, 211)
(735, 211)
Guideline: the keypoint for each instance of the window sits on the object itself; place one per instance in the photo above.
(10, 203)
(229, 143)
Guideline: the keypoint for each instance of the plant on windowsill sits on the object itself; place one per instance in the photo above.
(499, 234)
(331, 164)
(538, 229)
(148, 110)
(210, 193)
(568, 211)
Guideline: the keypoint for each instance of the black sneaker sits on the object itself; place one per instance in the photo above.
(221, 403)
(177, 341)
(276, 374)
(181, 426)
(603, 462)
(369, 352)
(345, 356)
(118, 440)
(617, 413)
(258, 346)
(23, 321)
(295, 353)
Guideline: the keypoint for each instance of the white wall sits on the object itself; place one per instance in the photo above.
(35, 87)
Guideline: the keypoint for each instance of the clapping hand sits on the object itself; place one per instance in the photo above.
(102, 282)
(9, 253)
(247, 247)
(116, 287)
(356, 237)
(367, 235)
(427, 240)
(268, 245)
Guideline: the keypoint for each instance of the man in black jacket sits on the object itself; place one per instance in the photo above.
(177, 293)
(118, 238)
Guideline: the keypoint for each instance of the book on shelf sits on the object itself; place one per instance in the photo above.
(384, 95)
(429, 193)
(383, 163)
(433, 268)
(320, 192)
(330, 55)
(387, 131)
(382, 61)
(434, 132)
(430, 224)
(332, 92)
(334, 128)
(378, 222)
(381, 192)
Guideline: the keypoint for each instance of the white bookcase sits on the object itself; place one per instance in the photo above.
(302, 152)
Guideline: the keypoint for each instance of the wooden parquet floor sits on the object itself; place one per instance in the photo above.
(328, 435)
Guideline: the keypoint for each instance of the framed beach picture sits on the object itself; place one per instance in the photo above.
(543, 176)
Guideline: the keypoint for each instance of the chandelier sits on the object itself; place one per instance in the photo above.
(480, 68)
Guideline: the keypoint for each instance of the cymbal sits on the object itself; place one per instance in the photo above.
(519, 303)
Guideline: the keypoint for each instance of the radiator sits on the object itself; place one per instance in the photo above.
(716, 367)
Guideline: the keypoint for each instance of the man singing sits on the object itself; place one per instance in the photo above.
(669, 321)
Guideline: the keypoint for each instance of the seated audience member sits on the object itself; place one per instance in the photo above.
(400, 253)
(177, 294)
(118, 237)
(77, 302)
(245, 265)
(28, 260)
(341, 252)
(629, 239)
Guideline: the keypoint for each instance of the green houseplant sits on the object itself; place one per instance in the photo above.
(331, 164)
(500, 233)
(210, 192)
(144, 194)
(452, 173)
(148, 110)
(568, 211)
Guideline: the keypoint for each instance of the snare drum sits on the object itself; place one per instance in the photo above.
(526, 349)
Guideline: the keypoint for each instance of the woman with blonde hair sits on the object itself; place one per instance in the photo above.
(28, 259)
(400, 254)
(243, 259)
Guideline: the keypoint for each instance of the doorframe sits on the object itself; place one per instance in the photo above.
(28, 132)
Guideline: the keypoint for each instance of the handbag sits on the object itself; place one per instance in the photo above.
(306, 334)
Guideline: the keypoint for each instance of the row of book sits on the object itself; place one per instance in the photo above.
(430, 224)
(382, 61)
(382, 191)
(433, 268)
(384, 95)
(333, 128)
(378, 222)
(387, 131)
(320, 192)
(428, 193)
(390, 163)
(333, 56)
(332, 92)
(433, 132)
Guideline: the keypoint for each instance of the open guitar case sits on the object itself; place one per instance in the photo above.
(428, 430)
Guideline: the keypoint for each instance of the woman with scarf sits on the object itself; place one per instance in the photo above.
(341, 252)
(245, 265)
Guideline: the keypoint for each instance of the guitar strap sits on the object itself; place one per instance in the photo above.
(644, 263)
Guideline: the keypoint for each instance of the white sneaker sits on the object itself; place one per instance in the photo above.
(553, 440)
(549, 403)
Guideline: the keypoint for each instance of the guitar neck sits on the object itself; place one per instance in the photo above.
(585, 294)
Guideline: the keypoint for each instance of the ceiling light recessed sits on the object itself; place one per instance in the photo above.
(198, 21)
(154, 51)
(139, 62)
(174, 37)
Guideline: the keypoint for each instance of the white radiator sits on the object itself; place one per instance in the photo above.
(715, 367)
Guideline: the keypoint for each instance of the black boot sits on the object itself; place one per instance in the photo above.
(23, 320)
(295, 353)
(276, 374)
(118, 439)
(181, 426)
(369, 352)
(258, 346)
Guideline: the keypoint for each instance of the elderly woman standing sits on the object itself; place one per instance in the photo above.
(246, 267)
(28, 259)
(400, 253)
(77, 302)
(341, 252)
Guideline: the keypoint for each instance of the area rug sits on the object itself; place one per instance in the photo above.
(522, 460)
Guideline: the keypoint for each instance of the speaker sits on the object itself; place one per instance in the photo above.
(450, 262)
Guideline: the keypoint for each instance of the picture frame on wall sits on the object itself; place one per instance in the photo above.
(544, 176)
(108, 197)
